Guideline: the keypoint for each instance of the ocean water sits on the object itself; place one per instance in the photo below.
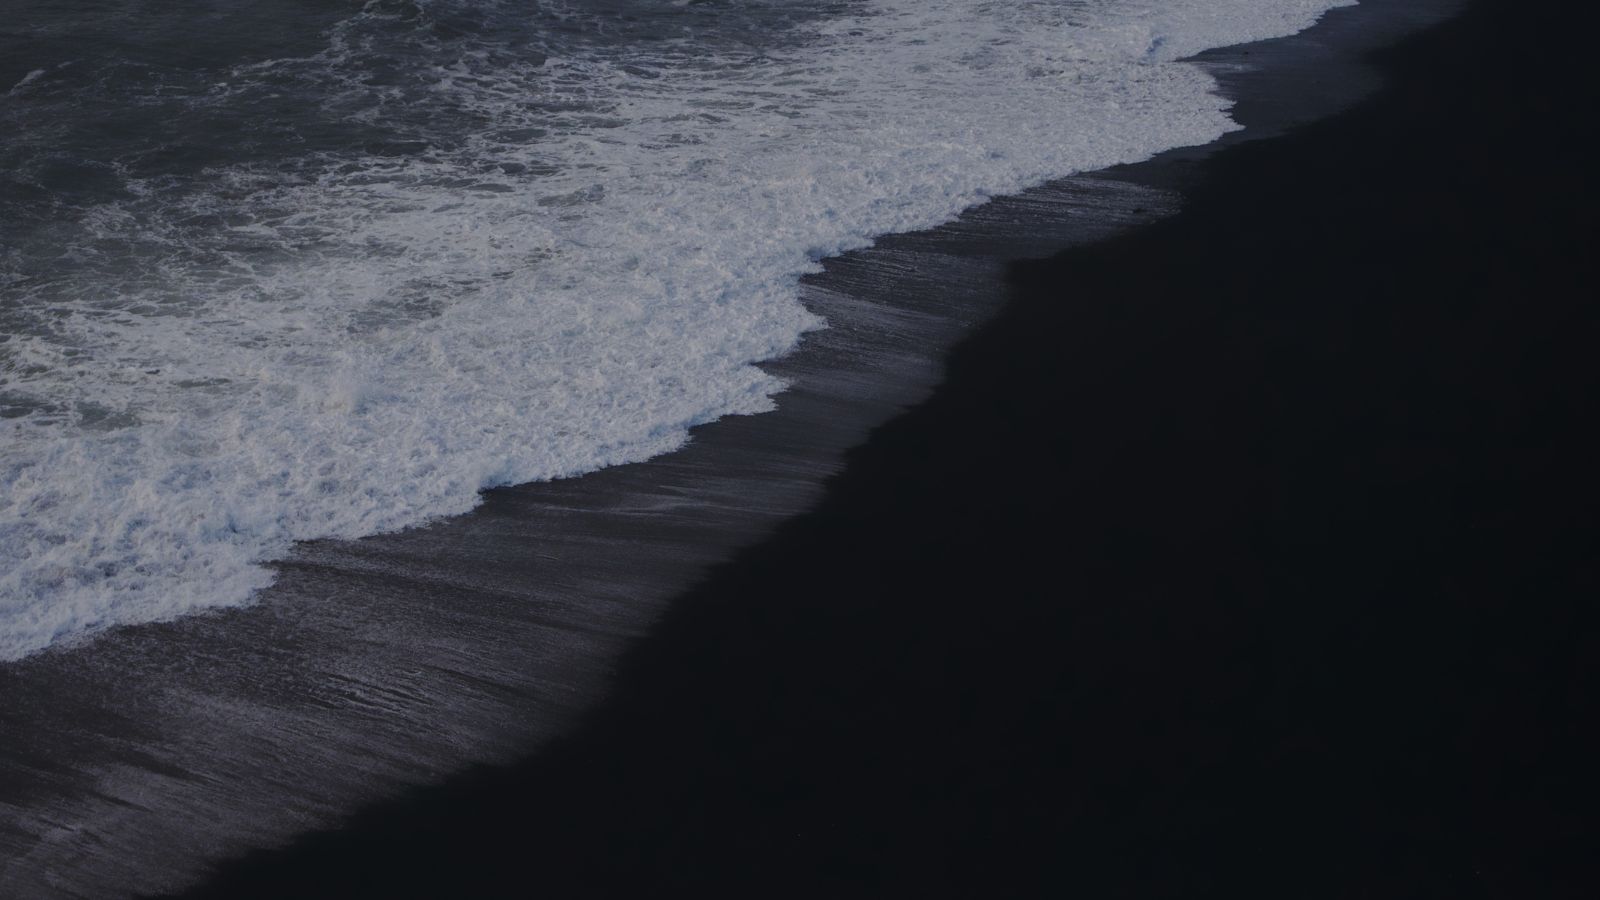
(273, 272)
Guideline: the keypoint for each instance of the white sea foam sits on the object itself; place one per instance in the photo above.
(27, 79)
(348, 346)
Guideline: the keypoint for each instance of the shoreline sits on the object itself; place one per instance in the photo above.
(339, 665)
(1276, 653)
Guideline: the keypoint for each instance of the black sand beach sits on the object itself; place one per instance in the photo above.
(1245, 554)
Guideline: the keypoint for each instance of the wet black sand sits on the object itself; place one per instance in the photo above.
(1249, 553)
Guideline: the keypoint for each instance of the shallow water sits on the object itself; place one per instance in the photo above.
(271, 276)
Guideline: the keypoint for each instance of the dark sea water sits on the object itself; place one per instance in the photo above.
(276, 278)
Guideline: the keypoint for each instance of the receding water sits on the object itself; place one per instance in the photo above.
(277, 271)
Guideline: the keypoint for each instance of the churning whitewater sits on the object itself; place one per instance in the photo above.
(337, 281)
